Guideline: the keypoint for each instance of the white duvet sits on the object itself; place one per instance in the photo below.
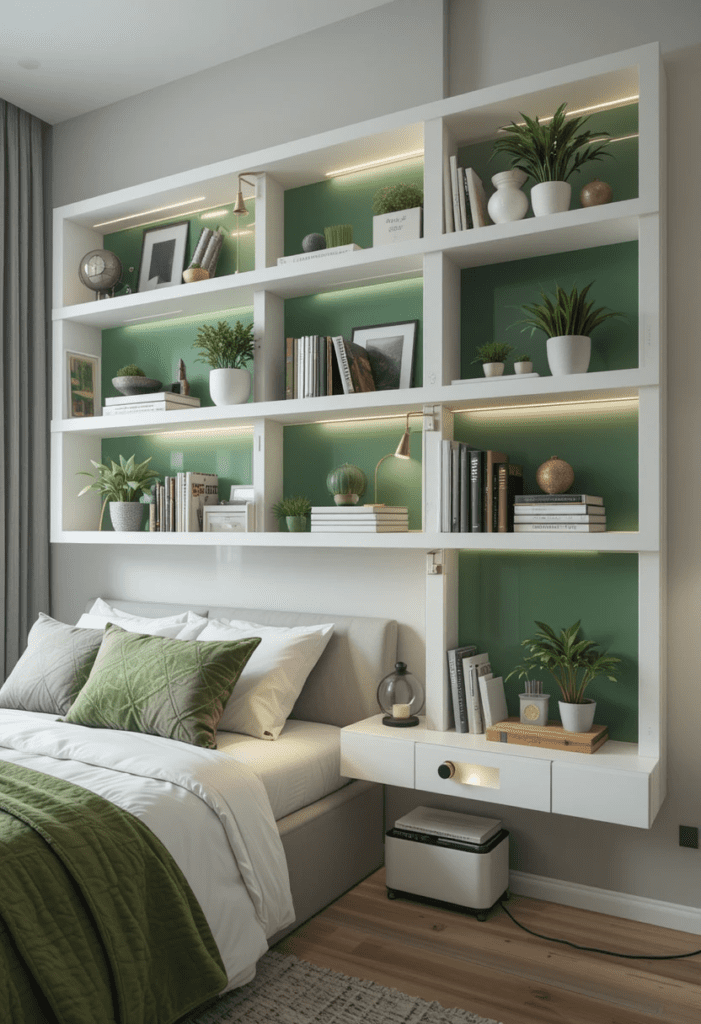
(211, 813)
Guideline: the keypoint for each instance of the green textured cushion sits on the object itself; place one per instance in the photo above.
(156, 685)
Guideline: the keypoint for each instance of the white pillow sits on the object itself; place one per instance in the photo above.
(274, 675)
(187, 623)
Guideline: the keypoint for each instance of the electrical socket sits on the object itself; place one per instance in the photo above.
(689, 836)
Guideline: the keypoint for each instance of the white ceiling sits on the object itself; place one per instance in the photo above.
(90, 54)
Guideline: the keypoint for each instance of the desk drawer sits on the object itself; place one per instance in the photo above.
(492, 778)
(377, 759)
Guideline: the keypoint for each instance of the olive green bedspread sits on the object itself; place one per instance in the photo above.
(97, 922)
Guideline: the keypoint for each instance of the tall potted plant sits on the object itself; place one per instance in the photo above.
(550, 153)
(573, 663)
(227, 349)
(121, 486)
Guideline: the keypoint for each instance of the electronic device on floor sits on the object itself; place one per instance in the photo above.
(460, 859)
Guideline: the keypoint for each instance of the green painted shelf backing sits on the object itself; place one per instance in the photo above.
(343, 200)
(599, 440)
(492, 297)
(620, 170)
(333, 313)
(502, 594)
(311, 451)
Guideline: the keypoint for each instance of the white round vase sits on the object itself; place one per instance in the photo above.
(508, 202)
(493, 369)
(568, 353)
(229, 387)
(577, 717)
(551, 197)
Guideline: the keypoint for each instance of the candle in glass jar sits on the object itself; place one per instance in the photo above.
(401, 711)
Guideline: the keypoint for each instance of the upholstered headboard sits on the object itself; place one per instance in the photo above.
(342, 686)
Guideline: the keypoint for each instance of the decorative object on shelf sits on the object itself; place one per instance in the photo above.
(523, 364)
(508, 202)
(398, 212)
(195, 273)
(163, 254)
(554, 476)
(401, 697)
(402, 451)
(182, 384)
(492, 356)
(227, 349)
(337, 235)
(573, 663)
(567, 322)
(294, 511)
(550, 736)
(391, 349)
(131, 380)
(226, 518)
(596, 193)
(550, 153)
(313, 242)
(534, 703)
(83, 377)
(101, 271)
(121, 486)
(347, 483)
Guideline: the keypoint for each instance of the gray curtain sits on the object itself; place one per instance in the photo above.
(24, 384)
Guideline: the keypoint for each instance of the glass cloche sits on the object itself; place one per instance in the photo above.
(401, 697)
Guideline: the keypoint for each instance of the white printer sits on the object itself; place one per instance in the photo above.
(455, 858)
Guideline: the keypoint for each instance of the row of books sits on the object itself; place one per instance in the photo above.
(318, 365)
(477, 694)
(360, 519)
(559, 513)
(465, 199)
(479, 489)
(179, 501)
(161, 401)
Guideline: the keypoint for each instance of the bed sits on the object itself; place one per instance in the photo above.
(301, 833)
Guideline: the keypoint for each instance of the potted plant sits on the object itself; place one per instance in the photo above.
(195, 272)
(131, 380)
(122, 486)
(294, 511)
(227, 349)
(550, 153)
(398, 209)
(523, 364)
(347, 483)
(492, 356)
(567, 322)
(573, 663)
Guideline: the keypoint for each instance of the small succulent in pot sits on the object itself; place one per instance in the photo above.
(130, 370)
(347, 483)
(399, 196)
(523, 363)
(294, 511)
(493, 355)
(131, 380)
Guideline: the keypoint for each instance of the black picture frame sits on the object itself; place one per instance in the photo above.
(391, 349)
(163, 256)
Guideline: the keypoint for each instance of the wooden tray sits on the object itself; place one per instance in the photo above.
(552, 736)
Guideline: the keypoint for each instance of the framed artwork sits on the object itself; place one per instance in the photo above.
(83, 376)
(163, 253)
(391, 350)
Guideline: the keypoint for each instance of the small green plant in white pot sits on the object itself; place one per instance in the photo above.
(227, 349)
(294, 511)
(122, 487)
(398, 209)
(492, 356)
(523, 363)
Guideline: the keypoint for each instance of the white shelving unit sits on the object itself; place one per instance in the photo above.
(623, 782)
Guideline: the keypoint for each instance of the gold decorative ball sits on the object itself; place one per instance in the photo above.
(596, 193)
(555, 476)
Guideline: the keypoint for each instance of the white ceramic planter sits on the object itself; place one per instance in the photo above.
(523, 367)
(568, 353)
(493, 369)
(396, 227)
(551, 197)
(229, 387)
(508, 202)
(126, 516)
(577, 717)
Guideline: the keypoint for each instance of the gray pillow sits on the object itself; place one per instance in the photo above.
(53, 669)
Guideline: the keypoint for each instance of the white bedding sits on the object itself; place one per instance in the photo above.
(300, 767)
(201, 804)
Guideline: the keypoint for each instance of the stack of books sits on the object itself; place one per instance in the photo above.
(360, 519)
(160, 401)
(318, 365)
(179, 501)
(465, 199)
(478, 489)
(477, 694)
(559, 513)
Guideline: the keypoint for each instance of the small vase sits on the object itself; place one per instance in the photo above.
(523, 367)
(534, 708)
(126, 516)
(193, 274)
(577, 717)
(346, 499)
(508, 202)
(493, 369)
(229, 387)
(296, 524)
(551, 197)
(568, 353)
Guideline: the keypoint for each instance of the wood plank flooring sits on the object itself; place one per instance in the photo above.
(495, 969)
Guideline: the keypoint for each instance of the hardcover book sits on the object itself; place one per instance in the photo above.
(354, 366)
(304, 257)
(474, 666)
(565, 499)
(457, 684)
(493, 700)
(200, 489)
(559, 527)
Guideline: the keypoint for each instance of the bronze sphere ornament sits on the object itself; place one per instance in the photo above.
(555, 476)
(596, 193)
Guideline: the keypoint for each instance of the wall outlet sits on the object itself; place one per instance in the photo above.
(689, 836)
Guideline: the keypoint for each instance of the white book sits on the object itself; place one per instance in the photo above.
(303, 257)
(153, 396)
(464, 213)
(493, 699)
(343, 523)
(361, 528)
(474, 666)
(449, 224)
(532, 517)
(456, 195)
(200, 489)
(478, 199)
(559, 510)
(559, 527)
(354, 510)
(124, 410)
(502, 378)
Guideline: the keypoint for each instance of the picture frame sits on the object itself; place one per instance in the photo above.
(83, 391)
(163, 255)
(391, 349)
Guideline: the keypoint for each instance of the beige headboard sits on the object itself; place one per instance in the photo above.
(342, 687)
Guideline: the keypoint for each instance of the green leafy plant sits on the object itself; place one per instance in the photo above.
(522, 358)
(572, 662)
(493, 352)
(551, 151)
(124, 482)
(338, 234)
(294, 506)
(130, 370)
(571, 313)
(400, 196)
(224, 346)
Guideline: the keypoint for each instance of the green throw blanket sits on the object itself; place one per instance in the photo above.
(97, 923)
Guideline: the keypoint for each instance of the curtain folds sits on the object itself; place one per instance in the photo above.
(24, 383)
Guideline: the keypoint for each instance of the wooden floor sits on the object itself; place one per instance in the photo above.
(497, 970)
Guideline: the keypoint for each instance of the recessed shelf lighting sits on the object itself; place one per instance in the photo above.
(593, 108)
(154, 316)
(148, 213)
(375, 163)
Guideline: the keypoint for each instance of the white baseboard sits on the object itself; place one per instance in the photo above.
(603, 901)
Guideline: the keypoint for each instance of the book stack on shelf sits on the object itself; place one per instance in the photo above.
(161, 401)
(179, 501)
(316, 365)
(477, 694)
(559, 513)
(479, 489)
(305, 257)
(465, 199)
(360, 519)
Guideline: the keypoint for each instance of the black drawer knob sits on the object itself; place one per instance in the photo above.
(446, 770)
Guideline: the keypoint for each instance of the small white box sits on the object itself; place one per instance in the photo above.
(229, 518)
(402, 226)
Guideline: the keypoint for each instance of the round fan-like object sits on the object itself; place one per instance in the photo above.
(100, 270)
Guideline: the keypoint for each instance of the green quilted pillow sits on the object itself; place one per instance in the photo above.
(156, 685)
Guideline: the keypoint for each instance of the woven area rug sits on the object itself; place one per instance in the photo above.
(286, 990)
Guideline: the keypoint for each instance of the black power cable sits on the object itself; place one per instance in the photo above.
(593, 949)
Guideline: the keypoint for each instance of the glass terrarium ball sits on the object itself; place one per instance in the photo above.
(401, 695)
(100, 270)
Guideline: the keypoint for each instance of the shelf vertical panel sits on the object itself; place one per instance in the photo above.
(441, 329)
(71, 454)
(269, 360)
(652, 660)
(441, 635)
(267, 471)
(651, 293)
(651, 115)
(436, 151)
(270, 219)
(72, 241)
(432, 465)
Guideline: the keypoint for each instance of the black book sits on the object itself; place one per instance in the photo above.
(545, 499)
(457, 685)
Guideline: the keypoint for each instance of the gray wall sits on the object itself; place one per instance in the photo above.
(387, 60)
